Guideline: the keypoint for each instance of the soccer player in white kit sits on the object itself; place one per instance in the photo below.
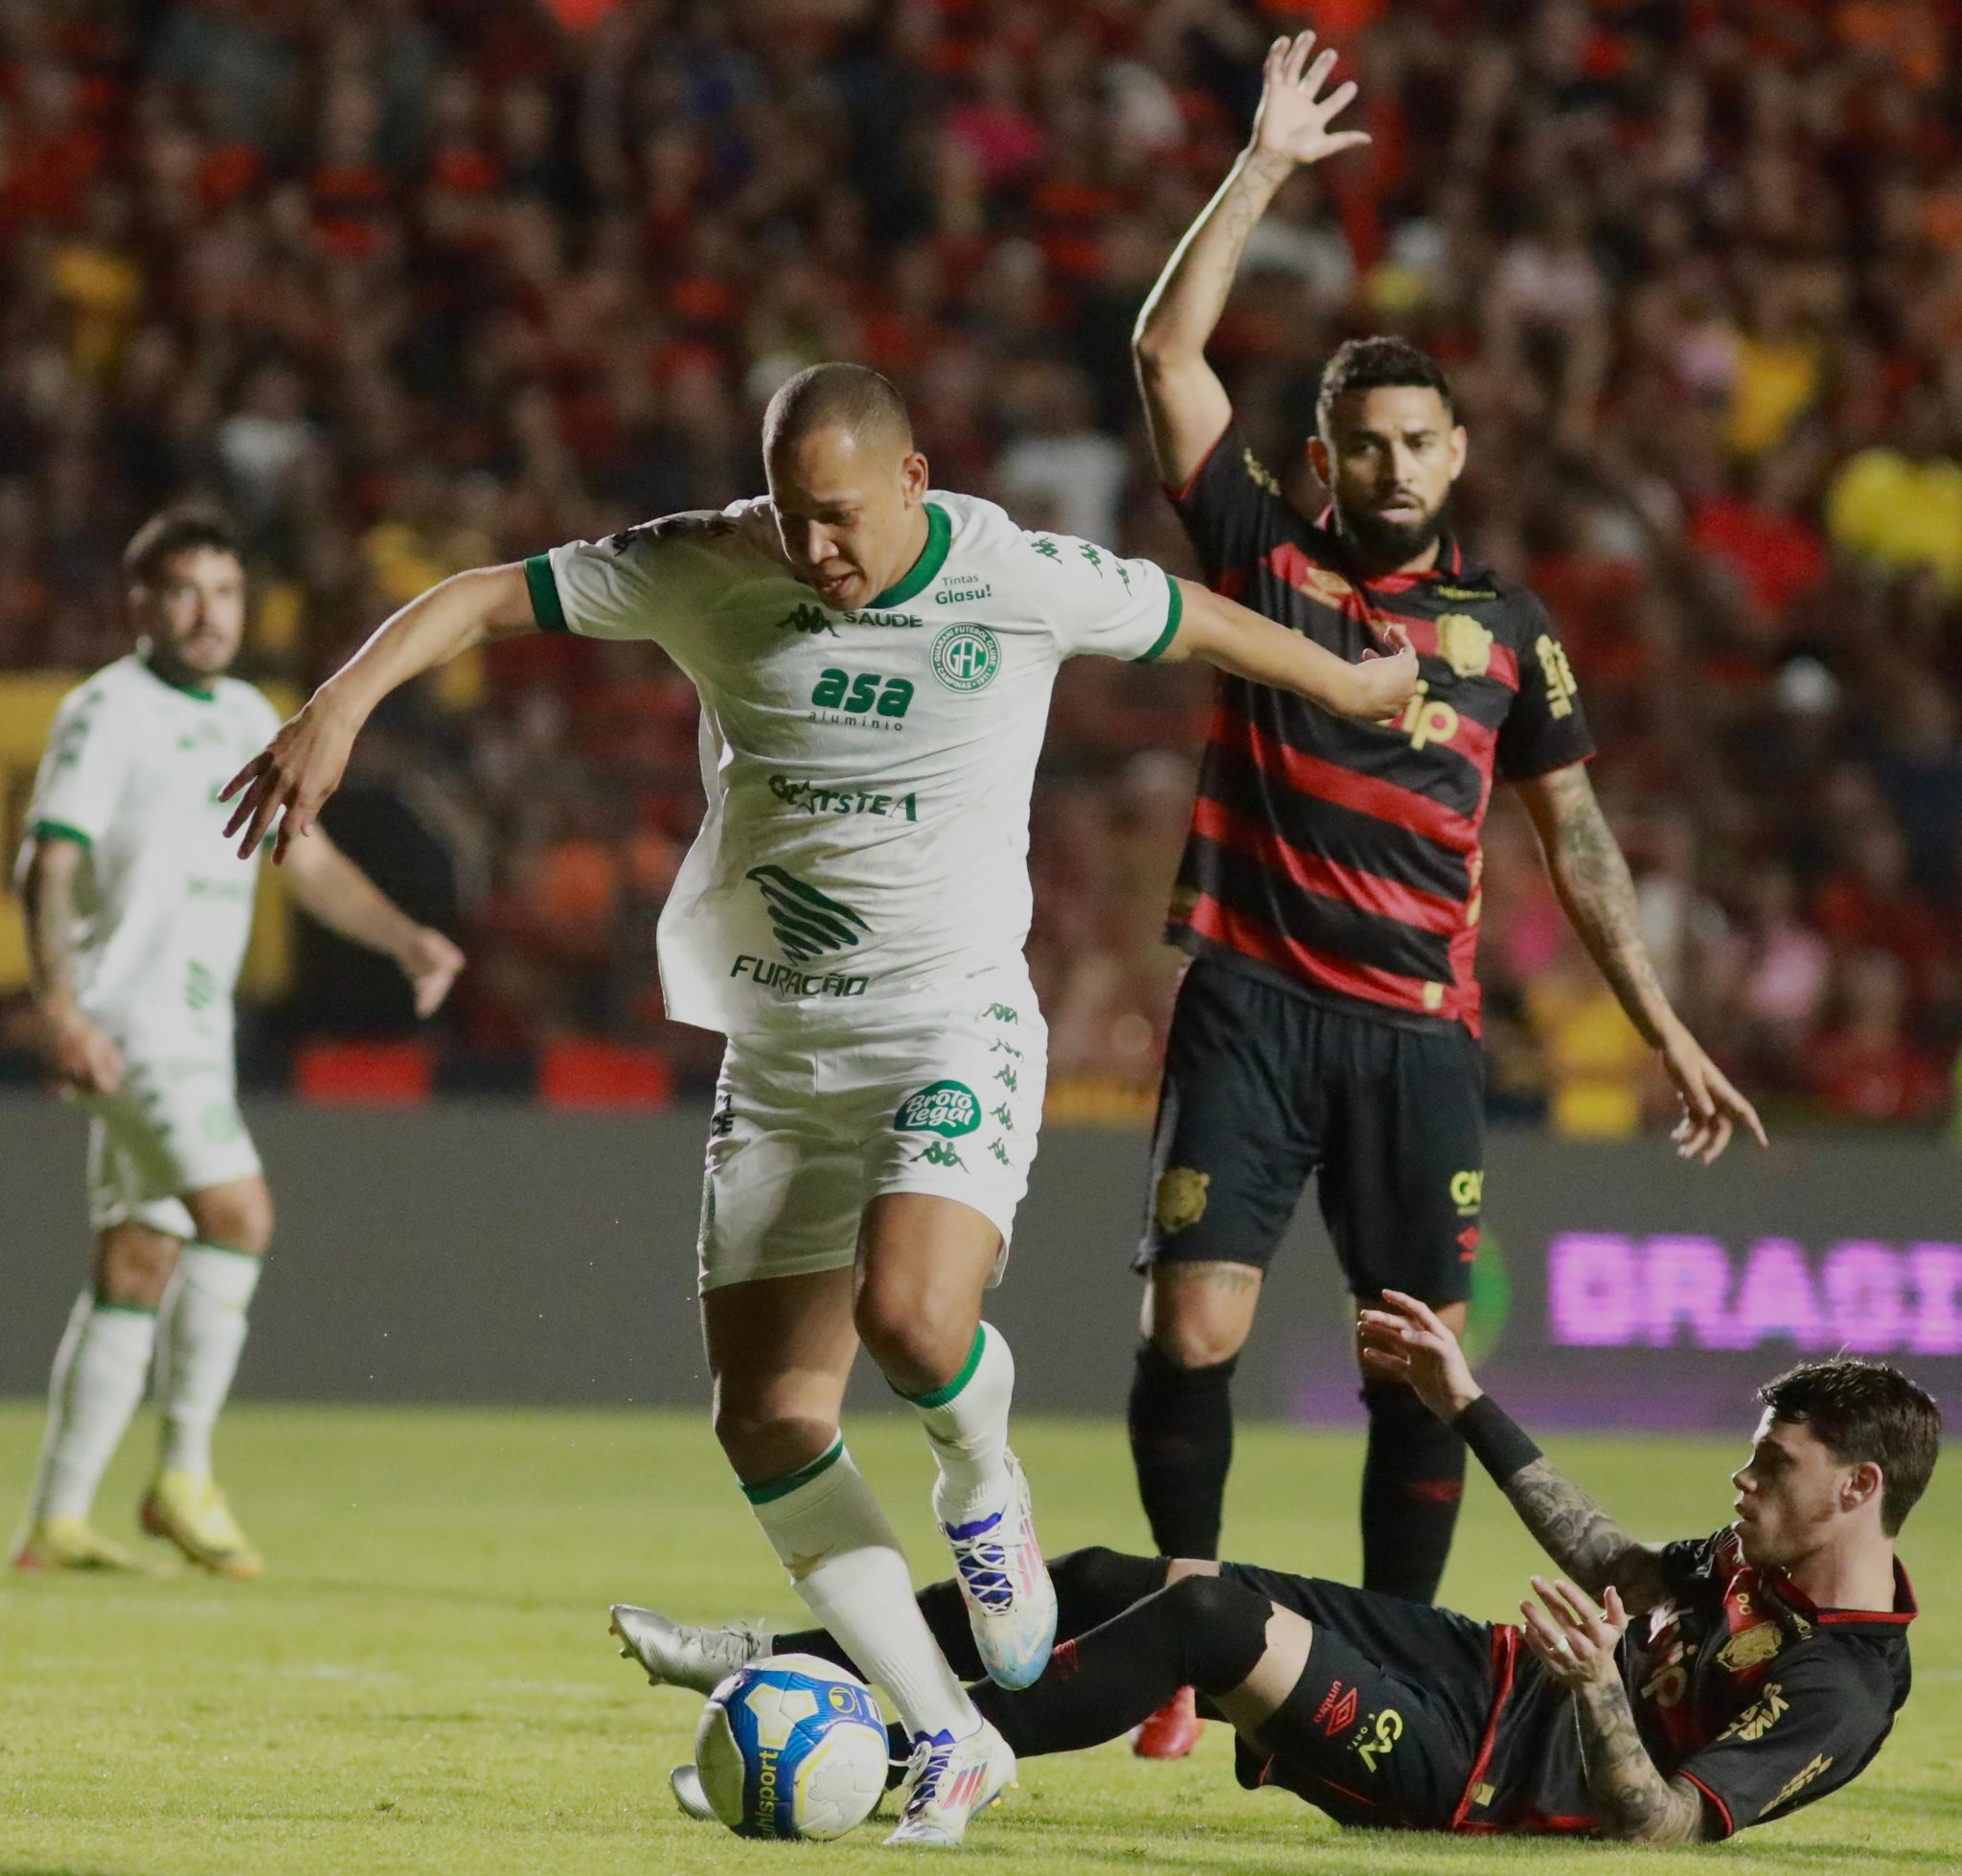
(873, 660)
(137, 919)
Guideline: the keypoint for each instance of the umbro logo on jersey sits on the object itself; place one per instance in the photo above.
(807, 922)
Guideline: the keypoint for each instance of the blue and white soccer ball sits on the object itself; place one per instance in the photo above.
(791, 1746)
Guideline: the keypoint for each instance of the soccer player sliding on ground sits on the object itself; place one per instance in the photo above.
(1655, 1693)
(137, 922)
(1330, 889)
(875, 661)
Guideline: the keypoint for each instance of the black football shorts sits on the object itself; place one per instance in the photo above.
(1264, 1087)
(1389, 1720)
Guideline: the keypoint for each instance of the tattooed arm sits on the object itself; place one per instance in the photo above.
(1576, 1643)
(1185, 403)
(1630, 1796)
(1591, 879)
(78, 1053)
(1583, 1539)
(1403, 1339)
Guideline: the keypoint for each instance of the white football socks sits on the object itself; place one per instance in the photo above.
(100, 1370)
(201, 1328)
(846, 1564)
(967, 1421)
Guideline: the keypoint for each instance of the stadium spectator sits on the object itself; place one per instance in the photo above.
(411, 281)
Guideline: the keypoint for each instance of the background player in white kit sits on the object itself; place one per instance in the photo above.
(138, 918)
(852, 916)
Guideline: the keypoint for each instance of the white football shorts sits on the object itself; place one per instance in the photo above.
(808, 1127)
(173, 1127)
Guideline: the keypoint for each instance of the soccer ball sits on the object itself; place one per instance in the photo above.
(791, 1747)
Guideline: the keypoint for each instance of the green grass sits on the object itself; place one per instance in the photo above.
(423, 1682)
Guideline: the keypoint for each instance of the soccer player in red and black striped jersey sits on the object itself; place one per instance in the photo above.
(1330, 889)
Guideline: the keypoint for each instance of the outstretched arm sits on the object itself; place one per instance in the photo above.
(296, 772)
(1249, 645)
(1575, 1642)
(1185, 404)
(1405, 1339)
(1592, 881)
(333, 889)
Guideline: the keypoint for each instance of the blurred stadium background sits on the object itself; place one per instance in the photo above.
(414, 284)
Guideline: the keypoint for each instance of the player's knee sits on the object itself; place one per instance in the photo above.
(1189, 1335)
(767, 1440)
(1223, 1627)
(238, 1220)
(918, 1340)
(133, 1267)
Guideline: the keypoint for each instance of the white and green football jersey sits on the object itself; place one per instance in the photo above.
(132, 773)
(868, 772)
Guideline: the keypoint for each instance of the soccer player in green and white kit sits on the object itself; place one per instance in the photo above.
(875, 662)
(137, 922)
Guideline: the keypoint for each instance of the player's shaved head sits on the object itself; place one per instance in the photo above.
(855, 398)
(845, 480)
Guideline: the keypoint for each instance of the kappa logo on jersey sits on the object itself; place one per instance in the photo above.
(966, 657)
(948, 1108)
(808, 618)
(807, 922)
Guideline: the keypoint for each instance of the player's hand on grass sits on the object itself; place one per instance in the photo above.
(1292, 125)
(1712, 1108)
(1572, 1637)
(81, 1056)
(286, 784)
(431, 962)
(1388, 679)
(1406, 1340)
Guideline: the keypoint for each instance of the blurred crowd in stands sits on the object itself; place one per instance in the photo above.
(413, 284)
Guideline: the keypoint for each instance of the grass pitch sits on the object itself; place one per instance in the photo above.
(423, 1682)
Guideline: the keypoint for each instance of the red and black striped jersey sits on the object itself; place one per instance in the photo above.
(1738, 1682)
(1339, 858)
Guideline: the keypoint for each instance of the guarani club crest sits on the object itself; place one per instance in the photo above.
(966, 657)
(807, 924)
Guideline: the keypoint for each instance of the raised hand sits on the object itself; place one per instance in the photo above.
(284, 784)
(1292, 125)
(1406, 1340)
(1575, 1640)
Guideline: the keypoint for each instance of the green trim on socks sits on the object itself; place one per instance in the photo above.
(228, 1250)
(782, 1488)
(939, 1397)
(124, 1308)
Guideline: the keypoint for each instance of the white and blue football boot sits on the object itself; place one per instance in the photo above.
(1005, 1584)
(948, 1780)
